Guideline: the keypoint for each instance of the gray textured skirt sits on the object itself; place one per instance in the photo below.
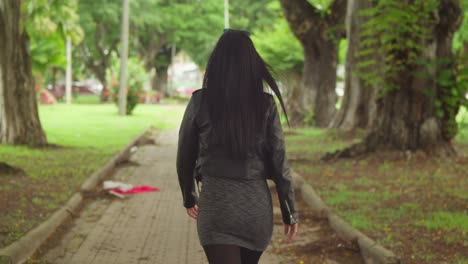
(235, 211)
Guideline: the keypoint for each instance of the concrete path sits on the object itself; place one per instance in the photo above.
(144, 228)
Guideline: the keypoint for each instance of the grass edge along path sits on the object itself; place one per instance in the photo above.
(416, 206)
(88, 136)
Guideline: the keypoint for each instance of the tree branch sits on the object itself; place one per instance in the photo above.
(301, 15)
(336, 17)
(97, 35)
(152, 48)
(113, 47)
(337, 12)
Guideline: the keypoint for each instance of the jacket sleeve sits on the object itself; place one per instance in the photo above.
(187, 153)
(281, 174)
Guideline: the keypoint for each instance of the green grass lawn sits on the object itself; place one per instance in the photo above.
(88, 136)
(94, 99)
(416, 207)
(100, 126)
(86, 99)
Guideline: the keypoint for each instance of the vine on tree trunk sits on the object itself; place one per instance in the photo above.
(395, 33)
(419, 91)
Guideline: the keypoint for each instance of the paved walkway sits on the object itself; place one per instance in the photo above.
(144, 228)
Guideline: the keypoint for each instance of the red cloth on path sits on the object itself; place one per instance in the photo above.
(138, 189)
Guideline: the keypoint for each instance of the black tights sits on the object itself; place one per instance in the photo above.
(231, 254)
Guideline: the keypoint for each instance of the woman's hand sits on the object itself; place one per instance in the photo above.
(193, 212)
(290, 232)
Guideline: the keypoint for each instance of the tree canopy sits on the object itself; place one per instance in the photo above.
(48, 23)
(277, 44)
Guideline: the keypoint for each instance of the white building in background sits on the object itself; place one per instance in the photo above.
(184, 76)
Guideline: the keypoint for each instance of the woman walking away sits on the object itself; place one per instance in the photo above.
(231, 140)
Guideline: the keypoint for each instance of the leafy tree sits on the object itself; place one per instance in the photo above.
(192, 26)
(47, 50)
(154, 24)
(319, 26)
(48, 24)
(155, 47)
(19, 119)
(199, 36)
(100, 21)
(415, 71)
(278, 46)
(205, 23)
(283, 52)
(358, 105)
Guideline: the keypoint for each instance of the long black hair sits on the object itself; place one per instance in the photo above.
(233, 85)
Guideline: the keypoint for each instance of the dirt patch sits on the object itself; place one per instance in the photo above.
(410, 203)
(53, 176)
(290, 133)
(315, 241)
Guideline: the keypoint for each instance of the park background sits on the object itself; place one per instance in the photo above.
(377, 103)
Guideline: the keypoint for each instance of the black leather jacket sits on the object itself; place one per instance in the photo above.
(196, 158)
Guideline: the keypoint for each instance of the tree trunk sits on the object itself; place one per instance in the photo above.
(160, 81)
(319, 79)
(101, 75)
(407, 119)
(100, 62)
(358, 108)
(19, 119)
(293, 98)
(319, 35)
(54, 79)
(154, 81)
(162, 63)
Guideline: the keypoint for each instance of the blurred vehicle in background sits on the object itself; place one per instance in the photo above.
(85, 87)
(184, 76)
(185, 91)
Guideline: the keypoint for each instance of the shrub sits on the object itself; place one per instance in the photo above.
(133, 95)
(136, 78)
